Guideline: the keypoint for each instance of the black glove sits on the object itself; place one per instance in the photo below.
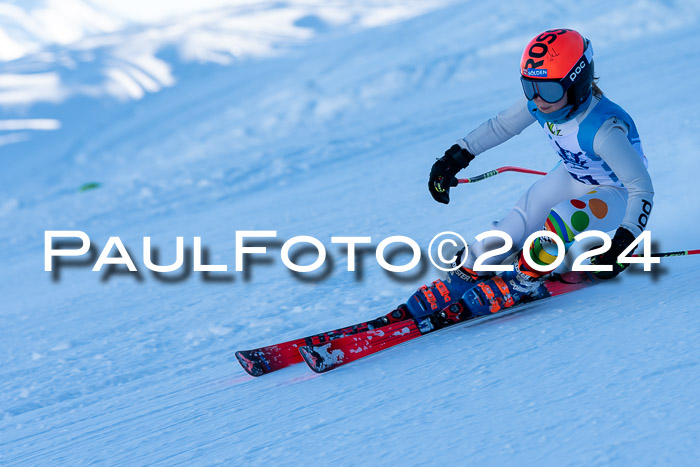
(622, 239)
(442, 175)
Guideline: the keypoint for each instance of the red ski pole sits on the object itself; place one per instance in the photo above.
(500, 170)
(674, 253)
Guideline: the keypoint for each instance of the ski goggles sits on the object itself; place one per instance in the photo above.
(548, 91)
(552, 91)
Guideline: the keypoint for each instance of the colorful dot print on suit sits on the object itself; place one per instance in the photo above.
(569, 219)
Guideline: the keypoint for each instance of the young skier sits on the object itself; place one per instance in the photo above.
(601, 182)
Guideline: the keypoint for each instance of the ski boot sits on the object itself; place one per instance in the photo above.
(401, 313)
(510, 288)
(441, 294)
(454, 313)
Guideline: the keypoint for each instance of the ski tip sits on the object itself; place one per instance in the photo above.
(250, 363)
(313, 359)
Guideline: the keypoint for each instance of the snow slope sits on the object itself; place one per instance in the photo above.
(333, 136)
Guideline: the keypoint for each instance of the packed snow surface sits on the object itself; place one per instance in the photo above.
(323, 119)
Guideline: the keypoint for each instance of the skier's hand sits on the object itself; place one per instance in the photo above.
(442, 174)
(622, 239)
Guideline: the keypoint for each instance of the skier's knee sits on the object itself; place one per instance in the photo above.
(544, 250)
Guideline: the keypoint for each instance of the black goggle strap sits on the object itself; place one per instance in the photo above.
(587, 57)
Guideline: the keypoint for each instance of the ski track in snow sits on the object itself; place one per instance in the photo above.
(336, 137)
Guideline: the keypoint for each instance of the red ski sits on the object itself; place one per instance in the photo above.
(338, 352)
(257, 362)
(347, 349)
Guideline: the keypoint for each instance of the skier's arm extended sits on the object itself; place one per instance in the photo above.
(612, 145)
(498, 129)
(491, 133)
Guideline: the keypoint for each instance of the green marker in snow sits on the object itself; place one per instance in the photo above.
(89, 186)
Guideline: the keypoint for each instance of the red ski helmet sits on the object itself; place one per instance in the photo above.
(555, 62)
